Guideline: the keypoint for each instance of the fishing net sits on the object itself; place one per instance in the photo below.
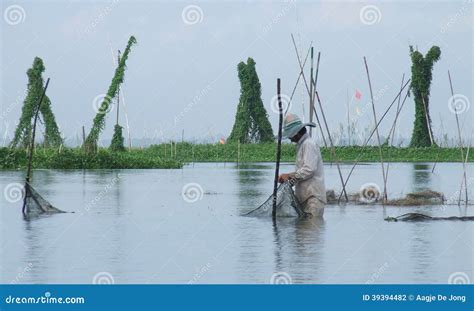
(423, 217)
(287, 204)
(36, 204)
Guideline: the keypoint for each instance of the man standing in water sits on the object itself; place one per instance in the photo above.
(309, 175)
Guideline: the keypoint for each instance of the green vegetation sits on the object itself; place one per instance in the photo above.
(99, 120)
(117, 139)
(251, 120)
(174, 155)
(23, 132)
(421, 71)
(188, 153)
(77, 158)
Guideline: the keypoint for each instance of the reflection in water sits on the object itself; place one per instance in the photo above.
(299, 243)
(421, 177)
(250, 178)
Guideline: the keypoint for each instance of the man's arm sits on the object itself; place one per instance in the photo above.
(309, 167)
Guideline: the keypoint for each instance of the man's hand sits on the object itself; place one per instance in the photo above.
(283, 178)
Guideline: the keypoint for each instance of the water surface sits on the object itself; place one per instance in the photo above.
(136, 226)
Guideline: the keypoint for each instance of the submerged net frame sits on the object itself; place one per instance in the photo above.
(423, 217)
(35, 204)
(287, 204)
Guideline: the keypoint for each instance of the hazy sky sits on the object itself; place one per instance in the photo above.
(182, 73)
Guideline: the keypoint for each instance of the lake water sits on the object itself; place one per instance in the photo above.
(135, 226)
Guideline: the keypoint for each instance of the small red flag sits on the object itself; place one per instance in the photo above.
(358, 95)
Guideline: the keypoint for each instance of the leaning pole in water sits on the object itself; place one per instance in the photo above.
(278, 151)
(32, 146)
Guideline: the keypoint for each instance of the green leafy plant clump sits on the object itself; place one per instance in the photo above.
(251, 120)
(422, 69)
(23, 132)
(117, 139)
(98, 124)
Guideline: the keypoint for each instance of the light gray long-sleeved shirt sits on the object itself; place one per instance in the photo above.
(309, 175)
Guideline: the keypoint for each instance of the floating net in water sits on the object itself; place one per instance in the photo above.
(423, 217)
(36, 204)
(287, 204)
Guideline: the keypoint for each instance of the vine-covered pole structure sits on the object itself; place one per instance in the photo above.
(251, 119)
(36, 110)
(23, 132)
(422, 74)
(98, 124)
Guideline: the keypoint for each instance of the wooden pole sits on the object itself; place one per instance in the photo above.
(348, 119)
(333, 150)
(311, 92)
(377, 132)
(373, 131)
(390, 138)
(32, 145)
(298, 80)
(428, 123)
(278, 151)
(392, 134)
(307, 88)
(118, 92)
(460, 144)
(83, 136)
(238, 153)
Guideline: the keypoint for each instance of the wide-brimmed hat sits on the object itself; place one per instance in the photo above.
(292, 125)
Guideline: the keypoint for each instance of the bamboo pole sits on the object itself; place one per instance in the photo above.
(377, 132)
(348, 119)
(278, 152)
(460, 144)
(373, 131)
(307, 89)
(32, 146)
(298, 80)
(311, 92)
(390, 134)
(118, 93)
(333, 150)
(83, 135)
(238, 153)
(428, 123)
